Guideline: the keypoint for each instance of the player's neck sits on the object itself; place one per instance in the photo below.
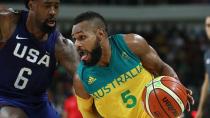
(106, 54)
(35, 30)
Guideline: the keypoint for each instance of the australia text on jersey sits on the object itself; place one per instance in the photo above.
(117, 82)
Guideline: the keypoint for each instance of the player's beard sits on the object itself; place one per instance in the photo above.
(46, 28)
(95, 55)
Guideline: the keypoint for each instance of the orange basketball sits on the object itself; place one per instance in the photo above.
(164, 97)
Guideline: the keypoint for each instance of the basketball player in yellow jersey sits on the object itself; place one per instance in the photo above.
(113, 70)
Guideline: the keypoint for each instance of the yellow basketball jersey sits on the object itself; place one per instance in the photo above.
(124, 98)
(117, 89)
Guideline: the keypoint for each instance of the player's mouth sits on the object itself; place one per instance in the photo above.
(84, 55)
(51, 22)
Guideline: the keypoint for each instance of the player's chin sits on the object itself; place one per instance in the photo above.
(86, 61)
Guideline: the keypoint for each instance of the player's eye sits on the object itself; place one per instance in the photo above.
(82, 37)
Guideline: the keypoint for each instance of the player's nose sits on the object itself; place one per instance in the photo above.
(78, 44)
(52, 11)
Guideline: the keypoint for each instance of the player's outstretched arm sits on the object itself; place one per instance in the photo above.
(203, 96)
(84, 100)
(66, 54)
(151, 60)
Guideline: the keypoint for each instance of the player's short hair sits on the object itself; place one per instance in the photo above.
(91, 16)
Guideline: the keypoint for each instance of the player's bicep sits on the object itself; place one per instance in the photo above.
(148, 56)
(66, 54)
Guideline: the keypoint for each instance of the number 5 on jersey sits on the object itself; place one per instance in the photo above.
(128, 99)
(21, 82)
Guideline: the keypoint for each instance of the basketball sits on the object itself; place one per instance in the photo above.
(164, 97)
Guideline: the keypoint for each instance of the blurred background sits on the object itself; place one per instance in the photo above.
(175, 28)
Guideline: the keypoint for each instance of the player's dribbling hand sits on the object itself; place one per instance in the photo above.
(190, 99)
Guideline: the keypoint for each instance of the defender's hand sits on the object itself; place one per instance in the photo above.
(190, 99)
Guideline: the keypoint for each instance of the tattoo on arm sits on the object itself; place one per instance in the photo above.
(73, 58)
(67, 55)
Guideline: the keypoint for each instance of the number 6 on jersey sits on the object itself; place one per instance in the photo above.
(21, 82)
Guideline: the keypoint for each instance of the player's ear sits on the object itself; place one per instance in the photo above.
(101, 33)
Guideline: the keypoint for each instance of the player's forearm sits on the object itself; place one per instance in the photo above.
(168, 71)
(204, 93)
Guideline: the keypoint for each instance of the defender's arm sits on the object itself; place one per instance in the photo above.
(203, 98)
(66, 54)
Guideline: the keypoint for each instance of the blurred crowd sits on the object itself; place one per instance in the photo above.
(125, 2)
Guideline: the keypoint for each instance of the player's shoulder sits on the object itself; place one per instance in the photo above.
(133, 36)
(136, 43)
(9, 14)
(8, 19)
(134, 39)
